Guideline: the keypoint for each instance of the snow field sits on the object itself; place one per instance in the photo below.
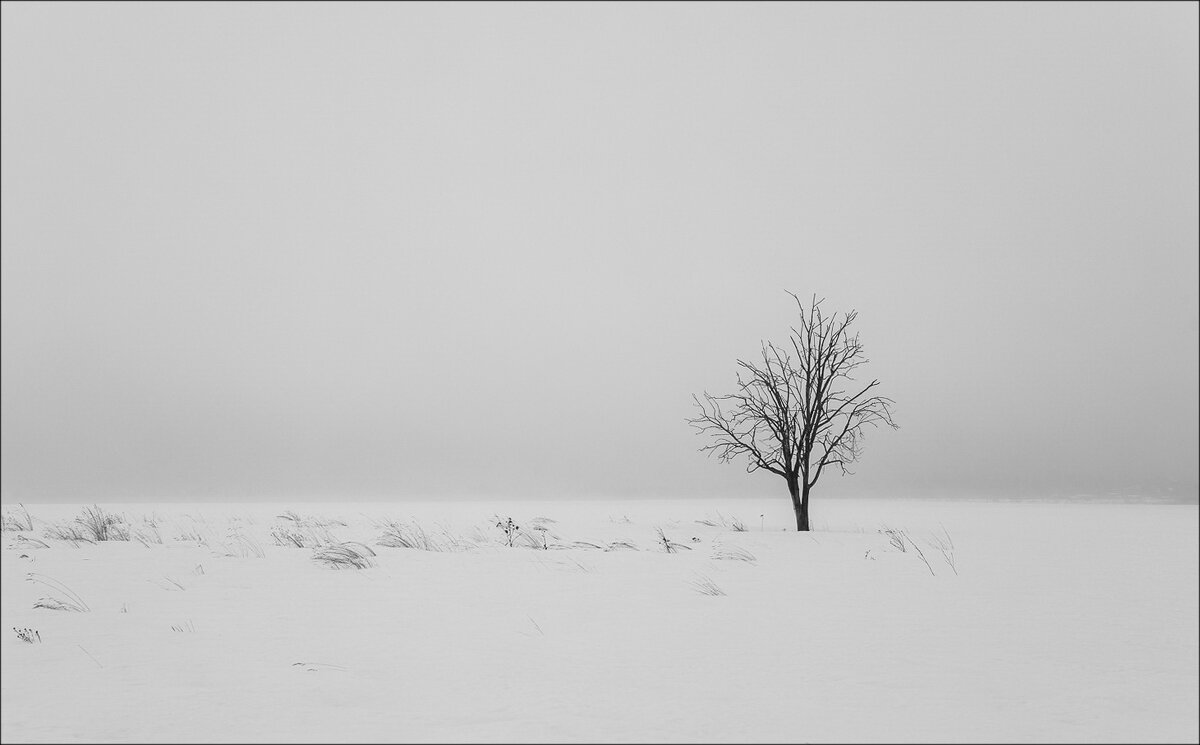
(1063, 622)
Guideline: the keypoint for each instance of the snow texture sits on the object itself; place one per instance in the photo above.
(1015, 622)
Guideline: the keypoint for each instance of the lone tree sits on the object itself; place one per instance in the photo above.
(799, 410)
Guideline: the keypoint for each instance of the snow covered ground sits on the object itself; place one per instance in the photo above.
(1056, 622)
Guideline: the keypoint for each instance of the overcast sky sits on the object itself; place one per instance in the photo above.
(266, 251)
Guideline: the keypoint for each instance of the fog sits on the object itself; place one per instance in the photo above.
(390, 251)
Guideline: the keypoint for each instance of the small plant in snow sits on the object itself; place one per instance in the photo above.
(67, 532)
(348, 555)
(585, 568)
(188, 627)
(18, 520)
(170, 583)
(536, 539)
(147, 534)
(311, 520)
(669, 545)
(921, 555)
(102, 526)
(732, 553)
(510, 529)
(402, 535)
(587, 544)
(190, 534)
(705, 586)
(29, 543)
(900, 540)
(29, 636)
(243, 546)
(286, 536)
(945, 545)
(69, 602)
(737, 525)
(896, 538)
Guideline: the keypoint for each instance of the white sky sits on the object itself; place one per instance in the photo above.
(396, 250)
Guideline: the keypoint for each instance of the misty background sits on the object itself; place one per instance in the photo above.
(375, 251)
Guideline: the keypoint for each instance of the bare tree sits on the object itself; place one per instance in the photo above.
(799, 410)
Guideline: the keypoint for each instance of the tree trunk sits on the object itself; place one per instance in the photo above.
(799, 501)
(802, 513)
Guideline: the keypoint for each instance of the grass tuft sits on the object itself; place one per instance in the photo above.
(705, 586)
(190, 534)
(722, 552)
(534, 539)
(29, 543)
(17, 520)
(621, 546)
(945, 544)
(403, 535)
(296, 537)
(69, 600)
(243, 546)
(348, 555)
(669, 545)
(27, 635)
(896, 538)
(67, 532)
(102, 526)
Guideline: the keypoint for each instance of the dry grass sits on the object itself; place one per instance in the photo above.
(405, 535)
(68, 601)
(901, 540)
(348, 555)
(896, 538)
(147, 534)
(190, 534)
(669, 545)
(17, 520)
(721, 521)
(66, 532)
(705, 586)
(286, 536)
(29, 543)
(945, 545)
(102, 526)
(302, 536)
(28, 635)
(722, 552)
(534, 538)
(586, 544)
(237, 544)
(921, 554)
(510, 529)
(310, 521)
